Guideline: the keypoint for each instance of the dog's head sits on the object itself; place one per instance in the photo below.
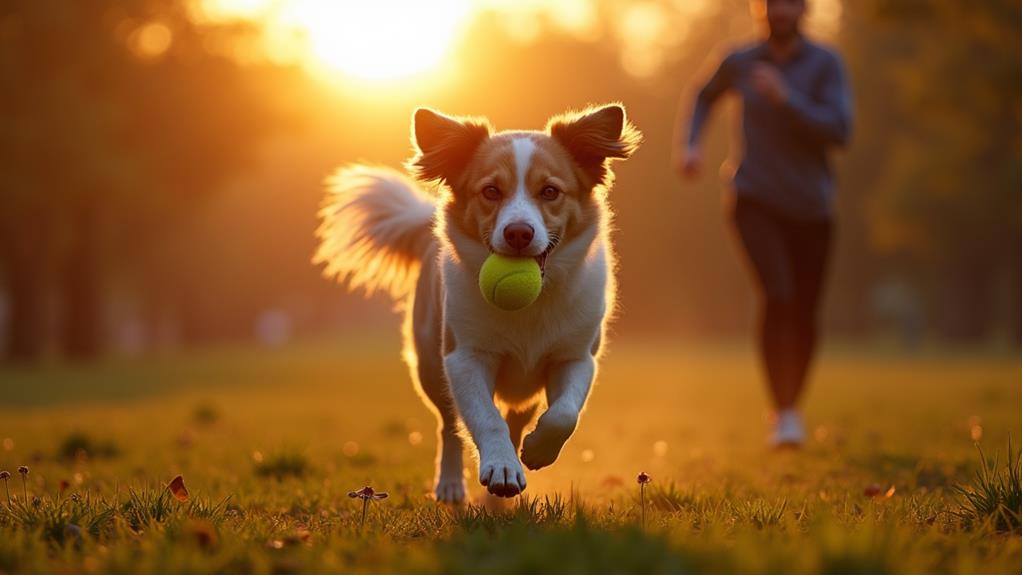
(522, 193)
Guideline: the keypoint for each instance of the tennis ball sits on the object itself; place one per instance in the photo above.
(510, 283)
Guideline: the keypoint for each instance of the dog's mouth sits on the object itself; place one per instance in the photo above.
(541, 258)
(552, 242)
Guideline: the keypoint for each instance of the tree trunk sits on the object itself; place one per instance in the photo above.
(195, 327)
(26, 337)
(967, 302)
(82, 336)
(853, 273)
(1018, 294)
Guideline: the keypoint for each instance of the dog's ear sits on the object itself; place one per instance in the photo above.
(595, 136)
(444, 145)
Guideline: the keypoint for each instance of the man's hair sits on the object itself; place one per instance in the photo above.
(765, 2)
(759, 6)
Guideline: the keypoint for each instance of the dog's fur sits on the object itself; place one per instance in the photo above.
(486, 368)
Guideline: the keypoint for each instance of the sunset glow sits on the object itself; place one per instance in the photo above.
(387, 40)
(383, 39)
(378, 40)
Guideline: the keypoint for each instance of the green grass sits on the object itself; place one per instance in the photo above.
(271, 442)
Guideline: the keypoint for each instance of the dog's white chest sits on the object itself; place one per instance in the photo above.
(561, 325)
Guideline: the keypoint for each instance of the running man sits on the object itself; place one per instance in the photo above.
(795, 108)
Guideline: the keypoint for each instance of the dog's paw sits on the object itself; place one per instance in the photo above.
(502, 476)
(541, 447)
(450, 490)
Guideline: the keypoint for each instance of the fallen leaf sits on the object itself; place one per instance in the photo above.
(177, 489)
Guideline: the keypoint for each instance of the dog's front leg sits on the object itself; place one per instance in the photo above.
(567, 390)
(472, 376)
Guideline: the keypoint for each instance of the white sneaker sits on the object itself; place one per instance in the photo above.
(788, 429)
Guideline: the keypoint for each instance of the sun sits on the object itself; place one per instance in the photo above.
(364, 39)
(376, 39)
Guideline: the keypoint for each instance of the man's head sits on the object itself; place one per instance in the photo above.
(783, 17)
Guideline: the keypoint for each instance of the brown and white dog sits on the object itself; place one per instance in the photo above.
(538, 194)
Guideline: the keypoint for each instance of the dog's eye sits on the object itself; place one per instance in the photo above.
(549, 193)
(492, 193)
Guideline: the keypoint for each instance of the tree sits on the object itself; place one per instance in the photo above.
(121, 121)
(950, 193)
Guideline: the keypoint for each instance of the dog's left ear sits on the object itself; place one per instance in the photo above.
(595, 136)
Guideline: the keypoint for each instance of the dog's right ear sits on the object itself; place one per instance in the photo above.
(444, 145)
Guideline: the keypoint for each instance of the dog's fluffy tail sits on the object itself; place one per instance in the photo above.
(375, 228)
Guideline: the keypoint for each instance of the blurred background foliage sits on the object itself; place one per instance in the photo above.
(161, 164)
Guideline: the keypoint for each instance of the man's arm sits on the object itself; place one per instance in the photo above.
(829, 119)
(689, 162)
(718, 84)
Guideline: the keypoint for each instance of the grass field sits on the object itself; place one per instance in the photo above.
(269, 444)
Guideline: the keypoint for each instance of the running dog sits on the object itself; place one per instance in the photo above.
(423, 239)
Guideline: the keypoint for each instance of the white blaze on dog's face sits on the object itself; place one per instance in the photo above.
(522, 193)
(519, 228)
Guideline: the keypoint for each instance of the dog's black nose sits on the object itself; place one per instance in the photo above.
(518, 235)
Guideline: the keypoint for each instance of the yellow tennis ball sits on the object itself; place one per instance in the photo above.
(510, 283)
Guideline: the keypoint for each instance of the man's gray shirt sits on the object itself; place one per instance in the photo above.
(785, 161)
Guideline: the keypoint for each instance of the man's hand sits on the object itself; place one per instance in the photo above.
(768, 82)
(688, 163)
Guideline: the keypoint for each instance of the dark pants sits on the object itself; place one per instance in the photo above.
(788, 260)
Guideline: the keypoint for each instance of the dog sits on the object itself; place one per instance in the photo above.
(538, 194)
